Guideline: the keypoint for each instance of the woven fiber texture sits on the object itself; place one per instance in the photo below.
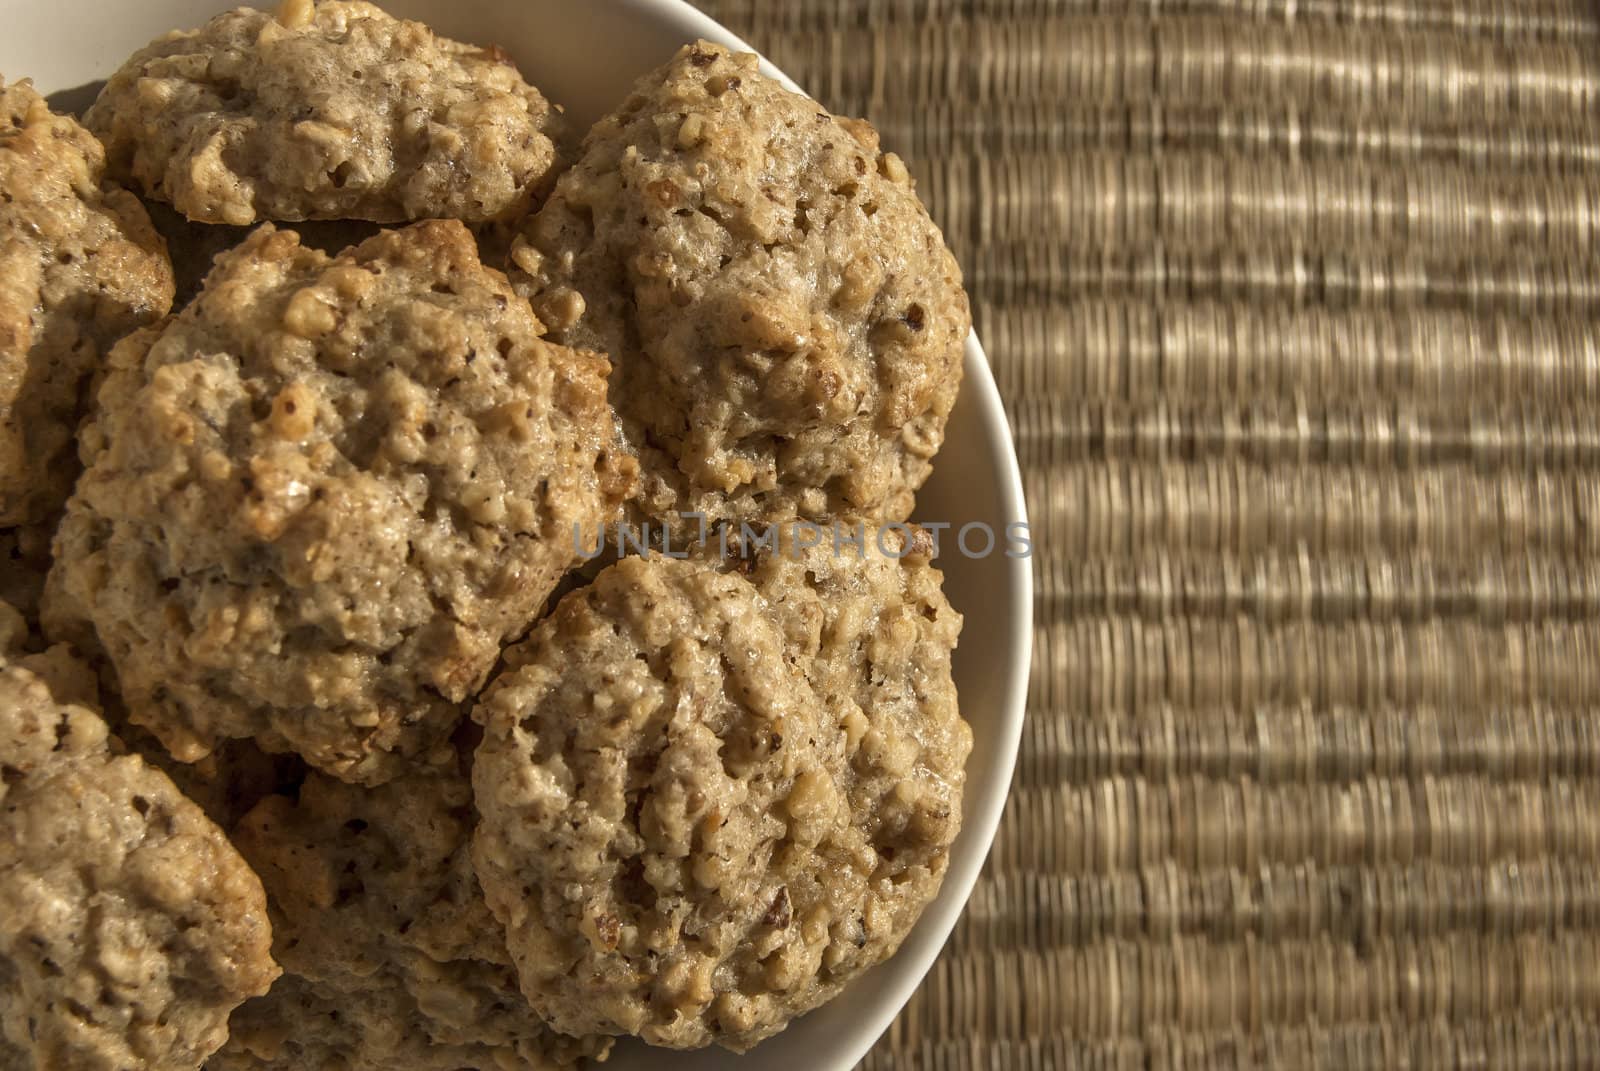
(1294, 307)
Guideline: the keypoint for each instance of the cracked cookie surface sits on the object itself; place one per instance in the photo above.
(786, 323)
(704, 810)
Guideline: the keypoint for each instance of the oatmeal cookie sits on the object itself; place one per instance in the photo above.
(377, 913)
(328, 111)
(129, 927)
(80, 266)
(304, 1026)
(785, 321)
(688, 828)
(319, 500)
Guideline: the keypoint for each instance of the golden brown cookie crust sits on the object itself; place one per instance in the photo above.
(338, 111)
(320, 499)
(80, 266)
(129, 926)
(786, 323)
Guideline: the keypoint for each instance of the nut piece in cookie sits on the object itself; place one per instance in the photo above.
(685, 836)
(786, 323)
(80, 266)
(377, 916)
(129, 926)
(328, 111)
(319, 500)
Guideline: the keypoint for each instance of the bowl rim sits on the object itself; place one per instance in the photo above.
(842, 1048)
(922, 947)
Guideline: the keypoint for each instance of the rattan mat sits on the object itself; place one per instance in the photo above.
(1294, 306)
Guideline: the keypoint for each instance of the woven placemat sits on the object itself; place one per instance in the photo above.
(1294, 307)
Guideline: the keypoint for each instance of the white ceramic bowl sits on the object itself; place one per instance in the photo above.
(585, 54)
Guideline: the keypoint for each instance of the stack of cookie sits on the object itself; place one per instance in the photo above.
(421, 753)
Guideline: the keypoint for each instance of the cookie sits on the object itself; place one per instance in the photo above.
(634, 777)
(689, 828)
(320, 499)
(80, 266)
(328, 111)
(129, 927)
(785, 321)
(303, 1026)
(377, 915)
